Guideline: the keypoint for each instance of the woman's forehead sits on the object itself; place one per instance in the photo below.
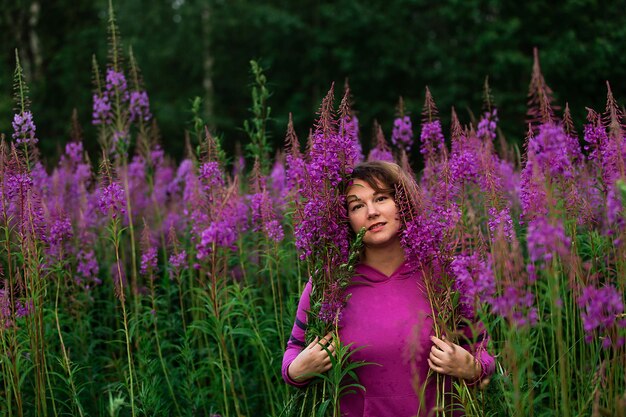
(359, 187)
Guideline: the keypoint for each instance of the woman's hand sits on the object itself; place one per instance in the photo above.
(313, 359)
(451, 359)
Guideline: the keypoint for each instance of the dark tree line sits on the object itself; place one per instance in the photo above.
(189, 48)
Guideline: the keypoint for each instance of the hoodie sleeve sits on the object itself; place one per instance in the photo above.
(296, 342)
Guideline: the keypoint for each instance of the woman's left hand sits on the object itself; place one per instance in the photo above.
(451, 359)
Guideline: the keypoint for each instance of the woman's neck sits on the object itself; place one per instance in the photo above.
(385, 259)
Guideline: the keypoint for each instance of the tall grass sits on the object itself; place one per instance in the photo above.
(192, 318)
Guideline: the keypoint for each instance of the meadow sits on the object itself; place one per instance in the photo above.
(137, 285)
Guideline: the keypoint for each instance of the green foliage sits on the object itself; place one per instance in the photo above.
(256, 127)
(385, 49)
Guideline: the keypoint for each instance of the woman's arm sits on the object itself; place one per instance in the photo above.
(299, 360)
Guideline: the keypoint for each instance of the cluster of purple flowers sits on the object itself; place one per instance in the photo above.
(487, 125)
(474, 280)
(112, 200)
(139, 106)
(516, 304)
(501, 222)
(432, 140)
(601, 309)
(24, 128)
(402, 133)
(149, 261)
(545, 239)
(87, 269)
(9, 312)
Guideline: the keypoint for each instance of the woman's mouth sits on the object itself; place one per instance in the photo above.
(376, 227)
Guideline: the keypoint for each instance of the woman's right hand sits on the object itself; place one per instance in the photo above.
(313, 359)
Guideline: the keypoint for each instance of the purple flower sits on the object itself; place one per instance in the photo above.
(148, 261)
(274, 230)
(211, 175)
(517, 305)
(139, 106)
(474, 280)
(112, 200)
(278, 183)
(487, 125)
(501, 223)
(431, 139)
(615, 207)
(594, 134)
(380, 154)
(102, 112)
(555, 153)
(545, 239)
(600, 308)
(59, 231)
(178, 261)
(116, 81)
(87, 269)
(220, 233)
(24, 129)
(424, 237)
(350, 129)
(74, 151)
(402, 133)
(381, 151)
(23, 310)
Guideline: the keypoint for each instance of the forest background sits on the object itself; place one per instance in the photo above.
(192, 48)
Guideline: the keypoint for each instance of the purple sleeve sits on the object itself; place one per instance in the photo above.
(296, 342)
(478, 338)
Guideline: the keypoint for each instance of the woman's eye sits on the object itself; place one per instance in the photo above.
(356, 207)
(381, 198)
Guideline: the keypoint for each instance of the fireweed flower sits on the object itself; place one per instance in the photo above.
(546, 239)
(487, 125)
(323, 216)
(432, 142)
(24, 129)
(148, 261)
(600, 308)
(424, 237)
(264, 216)
(136, 179)
(350, 130)
(615, 208)
(474, 280)
(211, 176)
(402, 133)
(465, 161)
(555, 153)
(177, 263)
(381, 151)
(334, 301)
(116, 82)
(102, 112)
(87, 269)
(516, 304)
(220, 233)
(278, 183)
(59, 231)
(139, 106)
(501, 222)
(111, 200)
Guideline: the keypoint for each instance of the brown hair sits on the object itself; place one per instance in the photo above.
(390, 178)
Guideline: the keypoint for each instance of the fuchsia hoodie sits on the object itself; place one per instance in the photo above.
(389, 316)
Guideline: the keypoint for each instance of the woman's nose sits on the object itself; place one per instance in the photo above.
(372, 211)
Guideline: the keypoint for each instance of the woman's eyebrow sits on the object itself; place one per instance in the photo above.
(352, 198)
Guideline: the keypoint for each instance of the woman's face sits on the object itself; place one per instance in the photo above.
(377, 212)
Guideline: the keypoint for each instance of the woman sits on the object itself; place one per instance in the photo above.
(388, 314)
